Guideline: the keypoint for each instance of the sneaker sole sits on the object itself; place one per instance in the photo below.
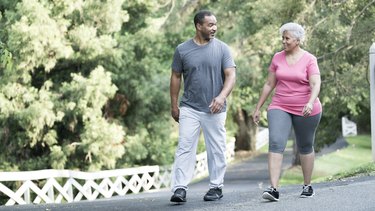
(178, 200)
(212, 199)
(304, 196)
(269, 197)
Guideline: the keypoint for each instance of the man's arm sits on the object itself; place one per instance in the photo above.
(230, 78)
(175, 84)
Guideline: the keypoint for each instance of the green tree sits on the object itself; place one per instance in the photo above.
(89, 88)
(343, 59)
(52, 100)
(339, 34)
(86, 85)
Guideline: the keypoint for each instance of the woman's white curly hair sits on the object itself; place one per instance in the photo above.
(295, 29)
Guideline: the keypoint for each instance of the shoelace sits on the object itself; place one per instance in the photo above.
(213, 191)
(306, 188)
(272, 189)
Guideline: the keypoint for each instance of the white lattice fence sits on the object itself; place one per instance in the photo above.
(58, 186)
(261, 138)
(349, 128)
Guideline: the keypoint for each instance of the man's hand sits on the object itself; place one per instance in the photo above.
(217, 104)
(175, 112)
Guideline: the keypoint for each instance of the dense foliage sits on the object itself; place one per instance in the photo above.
(84, 84)
(85, 91)
(339, 33)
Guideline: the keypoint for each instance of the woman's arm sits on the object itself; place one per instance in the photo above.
(315, 83)
(266, 91)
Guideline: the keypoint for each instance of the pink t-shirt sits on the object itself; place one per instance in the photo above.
(292, 90)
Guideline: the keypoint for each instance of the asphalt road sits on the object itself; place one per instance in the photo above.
(244, 184)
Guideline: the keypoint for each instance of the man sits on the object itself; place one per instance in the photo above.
(209, 75)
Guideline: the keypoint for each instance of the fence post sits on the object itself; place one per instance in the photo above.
(372, 99)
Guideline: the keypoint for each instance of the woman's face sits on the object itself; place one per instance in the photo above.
(289, 41)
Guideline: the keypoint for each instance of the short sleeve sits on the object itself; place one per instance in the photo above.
(272, 67)
(312, 67)
(227, 60)
(177, 62)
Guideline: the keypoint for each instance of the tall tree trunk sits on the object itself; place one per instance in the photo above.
(246, 133)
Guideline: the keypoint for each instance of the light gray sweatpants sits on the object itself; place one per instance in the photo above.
(213, 127)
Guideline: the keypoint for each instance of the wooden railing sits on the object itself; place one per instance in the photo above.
(59, 186)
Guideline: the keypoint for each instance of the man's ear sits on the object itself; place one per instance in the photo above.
(198, 26)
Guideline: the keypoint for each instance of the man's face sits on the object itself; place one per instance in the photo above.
(208, 28)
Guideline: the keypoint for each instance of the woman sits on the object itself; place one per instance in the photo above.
(295, 75)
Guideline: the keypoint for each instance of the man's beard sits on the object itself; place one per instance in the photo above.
(209, 37)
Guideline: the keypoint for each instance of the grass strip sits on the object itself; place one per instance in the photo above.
(354, 160)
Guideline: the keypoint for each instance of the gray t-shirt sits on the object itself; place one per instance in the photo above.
(203, 71)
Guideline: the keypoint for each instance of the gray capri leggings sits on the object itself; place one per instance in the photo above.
(280, 124)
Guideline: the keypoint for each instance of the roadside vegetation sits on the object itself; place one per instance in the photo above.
(84, 85)
(354, 160)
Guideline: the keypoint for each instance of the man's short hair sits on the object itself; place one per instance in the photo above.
(199, 16)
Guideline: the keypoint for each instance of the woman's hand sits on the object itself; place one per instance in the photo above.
(256, 117)
(307, 109)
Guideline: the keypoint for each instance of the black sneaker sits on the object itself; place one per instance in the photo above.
(179, 195)
(307, 191)
(271, 194)
(213, 194)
